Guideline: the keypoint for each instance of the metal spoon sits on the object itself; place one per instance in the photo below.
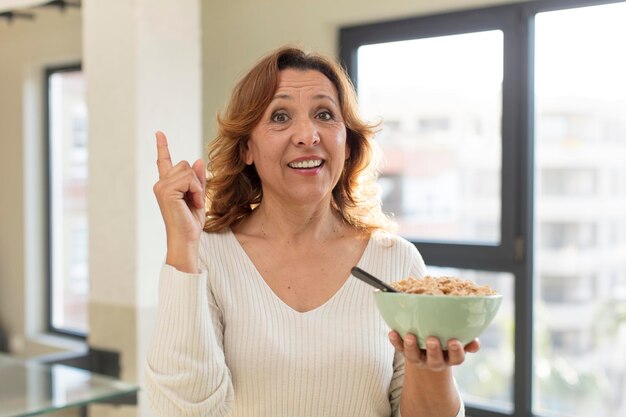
(371, 280)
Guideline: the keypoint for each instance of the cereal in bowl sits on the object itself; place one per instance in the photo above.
(441, 286)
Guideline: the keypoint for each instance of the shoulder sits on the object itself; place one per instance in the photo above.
(216, 246)
(391, 242)
(394, 256)
(212, 239)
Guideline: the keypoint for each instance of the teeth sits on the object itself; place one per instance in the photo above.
(306, 164)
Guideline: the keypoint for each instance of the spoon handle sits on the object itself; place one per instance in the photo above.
(371, 280)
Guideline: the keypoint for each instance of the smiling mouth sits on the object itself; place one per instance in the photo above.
(313, 163)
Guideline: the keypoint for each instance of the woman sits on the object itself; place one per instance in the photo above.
(258, 315)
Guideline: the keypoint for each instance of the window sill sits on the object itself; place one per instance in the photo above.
(53, 342)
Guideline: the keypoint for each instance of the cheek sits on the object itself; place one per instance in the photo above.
(265, 157)
(256, 153)
(342, 139)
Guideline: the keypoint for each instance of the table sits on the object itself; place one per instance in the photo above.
(29, 388)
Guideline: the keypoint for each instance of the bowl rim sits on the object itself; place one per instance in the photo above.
(439, 295)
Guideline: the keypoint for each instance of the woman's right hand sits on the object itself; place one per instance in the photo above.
(181, 197)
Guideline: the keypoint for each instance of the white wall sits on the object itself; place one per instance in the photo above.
(26, 48)
(143, 76)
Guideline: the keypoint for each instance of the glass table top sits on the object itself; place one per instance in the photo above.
(29, 388)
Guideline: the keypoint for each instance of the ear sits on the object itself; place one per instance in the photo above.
(248, 157)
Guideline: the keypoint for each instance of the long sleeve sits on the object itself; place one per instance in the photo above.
(185, 372)
(461, 412)
(395, 389)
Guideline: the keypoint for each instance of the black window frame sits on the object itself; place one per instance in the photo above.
(514, 253)
(50, 328)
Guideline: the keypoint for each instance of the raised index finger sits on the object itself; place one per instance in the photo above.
(164, 161)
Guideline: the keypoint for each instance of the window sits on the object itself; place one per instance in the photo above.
(509, 170)
(67, 173)
(558, 235)
(580, 75)
(573, 290)
(559, 181)
(452, 83)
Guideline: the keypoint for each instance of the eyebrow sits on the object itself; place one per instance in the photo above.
(317, 97)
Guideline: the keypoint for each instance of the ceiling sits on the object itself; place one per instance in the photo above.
(6, 5)
(23, 9)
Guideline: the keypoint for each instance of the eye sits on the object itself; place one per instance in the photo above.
(280, 117)
(325, 115)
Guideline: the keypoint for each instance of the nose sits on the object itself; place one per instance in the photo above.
(306, 133)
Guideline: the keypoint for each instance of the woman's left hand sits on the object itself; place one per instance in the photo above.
(433, 357)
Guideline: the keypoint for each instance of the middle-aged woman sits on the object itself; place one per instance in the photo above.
(258, 315)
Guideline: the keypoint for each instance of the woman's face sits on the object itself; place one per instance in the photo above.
(299, 147)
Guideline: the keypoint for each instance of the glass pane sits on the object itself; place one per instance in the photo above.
(68, 201)
(29, 388)
(580, 221)
(441, 103)
(486, 377)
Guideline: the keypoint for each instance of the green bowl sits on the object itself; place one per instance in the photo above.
(443, 316)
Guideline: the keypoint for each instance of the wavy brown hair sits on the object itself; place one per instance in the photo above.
(233, 189)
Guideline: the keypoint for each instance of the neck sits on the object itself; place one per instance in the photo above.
(295, 223)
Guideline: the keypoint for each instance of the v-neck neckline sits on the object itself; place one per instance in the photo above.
(259, 277)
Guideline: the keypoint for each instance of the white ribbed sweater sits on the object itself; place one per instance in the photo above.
(226, 345)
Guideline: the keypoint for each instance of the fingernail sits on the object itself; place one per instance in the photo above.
(430, 344)
(409, 341)
(455, 346)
